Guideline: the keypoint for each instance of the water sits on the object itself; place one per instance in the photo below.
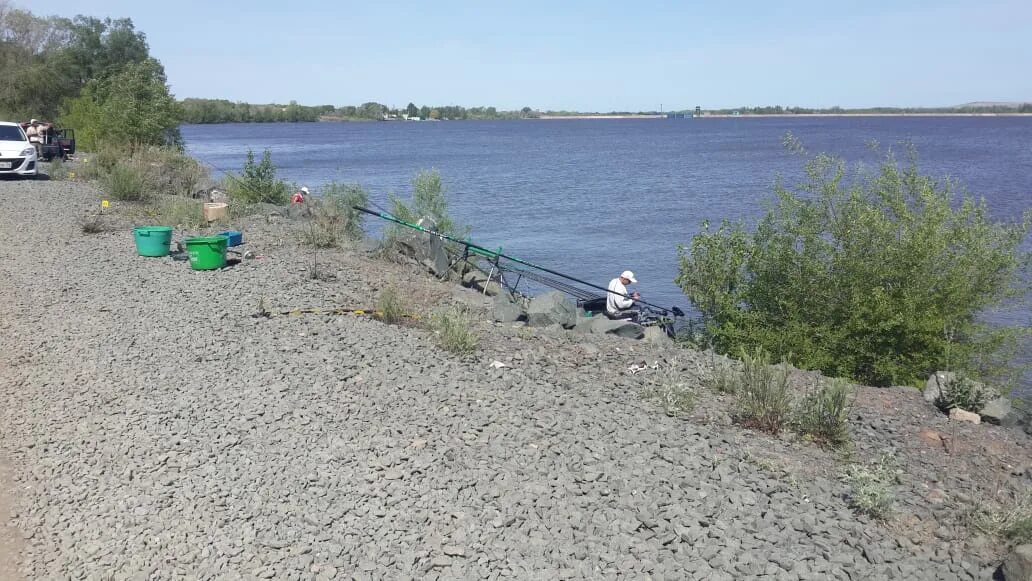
(592, 198)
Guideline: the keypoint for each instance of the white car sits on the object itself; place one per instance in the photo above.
(17, 155)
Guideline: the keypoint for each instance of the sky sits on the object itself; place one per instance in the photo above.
(587, 56)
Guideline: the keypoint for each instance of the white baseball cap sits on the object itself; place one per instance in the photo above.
(629, 276)
(304, 189)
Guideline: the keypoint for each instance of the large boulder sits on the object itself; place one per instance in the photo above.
(425, 249)
(1018, 566)
(554, 308)
(478, 280)
(933, 387)
(620, 328)
(999, 411)
(656, 335)
(506, 311)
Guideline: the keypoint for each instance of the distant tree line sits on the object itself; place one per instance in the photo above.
(223, 111)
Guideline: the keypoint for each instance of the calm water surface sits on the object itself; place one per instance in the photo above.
(594, 197)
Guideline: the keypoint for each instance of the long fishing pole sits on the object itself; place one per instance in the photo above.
(487, 252)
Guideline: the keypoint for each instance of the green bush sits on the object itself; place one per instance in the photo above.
(723, 377)
(125, 182)
(879, 278)
(962, 392)
(257, 182)
(333, 216)
(764, 397)
(428, 201)
(824, 412)
(453, 328)
(871, 486)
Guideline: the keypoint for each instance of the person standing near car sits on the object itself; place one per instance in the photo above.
(33, 133)
(620, 305)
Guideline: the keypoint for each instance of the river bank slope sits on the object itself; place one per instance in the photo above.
(154, 428)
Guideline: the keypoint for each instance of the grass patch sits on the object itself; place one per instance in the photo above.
(57, 171)
(824, 411)
(94, 223)
(871, 486)
(391, 305)
(125, 183)
(723, 377)
(1011, 521)
(764, 397)
(671, 390)
(334, 219)
(453, 328)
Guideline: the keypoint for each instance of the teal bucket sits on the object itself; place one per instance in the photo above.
(153, 240)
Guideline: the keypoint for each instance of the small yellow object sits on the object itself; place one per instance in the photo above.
(71, 175)
(105, 204)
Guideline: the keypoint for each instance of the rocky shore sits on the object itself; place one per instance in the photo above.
(153, 428)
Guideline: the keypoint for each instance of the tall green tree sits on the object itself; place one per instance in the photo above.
(131, 107)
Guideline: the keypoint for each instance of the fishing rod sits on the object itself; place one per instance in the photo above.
(496, 254)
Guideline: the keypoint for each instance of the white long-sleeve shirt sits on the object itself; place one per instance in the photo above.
(617, 302)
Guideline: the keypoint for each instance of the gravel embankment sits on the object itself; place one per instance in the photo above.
(156, 430)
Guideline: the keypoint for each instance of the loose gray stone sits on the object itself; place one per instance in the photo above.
(1018, 566)
(554, 308)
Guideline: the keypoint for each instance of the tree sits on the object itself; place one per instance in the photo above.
(412, 110)
(875, 277)
(131, 107)
(424, 112)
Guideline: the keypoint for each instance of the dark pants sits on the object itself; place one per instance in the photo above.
(631, 314)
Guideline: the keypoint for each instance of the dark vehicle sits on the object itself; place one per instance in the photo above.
(54, 142)
(58, 143)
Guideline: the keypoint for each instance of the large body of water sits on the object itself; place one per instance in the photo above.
(594, 197)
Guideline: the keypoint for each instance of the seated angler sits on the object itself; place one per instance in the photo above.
(619, 304)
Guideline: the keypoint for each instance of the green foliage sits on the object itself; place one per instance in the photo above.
(874, 277)
(871, 486)
(671, 390)
(824, 412)
(131, 107)
(428, 201)
(764, 398)
(258, 183)
(960, 391)
(333, 217)
(453, 328)
(391, 305)
(125, 182)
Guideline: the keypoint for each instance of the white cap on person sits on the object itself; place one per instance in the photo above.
(629, 276)
(304, 189)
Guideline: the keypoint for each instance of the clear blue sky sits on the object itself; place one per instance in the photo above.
(589, 56)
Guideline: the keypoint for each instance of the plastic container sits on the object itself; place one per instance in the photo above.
(153, 240)
(207, 252)
(235, 238)
(215, 211)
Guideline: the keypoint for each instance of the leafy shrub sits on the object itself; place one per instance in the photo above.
(764, 398)
(823, 412)
(391, 305)
(454, 330)
(671, 390)
(334, 218)
(428, 201)
(125, 182)
(859, 275)
(960, 391)
(257, 182)
(871, 486)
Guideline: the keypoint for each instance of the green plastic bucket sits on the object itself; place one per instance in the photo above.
(207, 252)
(153, 240)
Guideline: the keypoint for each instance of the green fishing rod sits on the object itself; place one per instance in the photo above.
(496, 254)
